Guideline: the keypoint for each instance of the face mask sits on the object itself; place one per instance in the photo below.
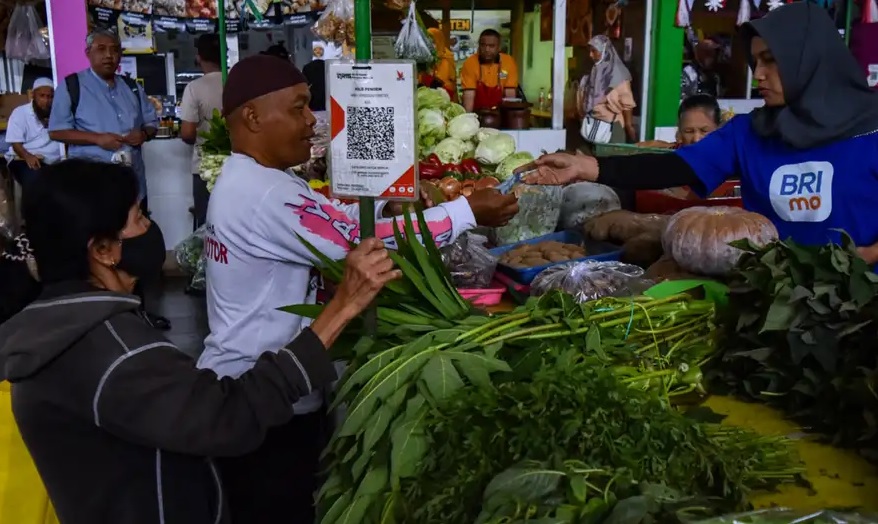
(144, 255)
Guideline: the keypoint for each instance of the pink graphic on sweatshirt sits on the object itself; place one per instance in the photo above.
(325, 221)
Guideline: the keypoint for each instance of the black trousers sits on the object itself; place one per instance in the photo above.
(276, 483)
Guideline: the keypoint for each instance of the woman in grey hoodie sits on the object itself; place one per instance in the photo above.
(121, 424)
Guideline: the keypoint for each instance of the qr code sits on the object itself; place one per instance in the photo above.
(371, 133)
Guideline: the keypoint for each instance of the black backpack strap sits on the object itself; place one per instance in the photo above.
(72, 82)
(132, 85)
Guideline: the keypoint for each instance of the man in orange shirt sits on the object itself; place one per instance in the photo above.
(489, 76)
(443, 73)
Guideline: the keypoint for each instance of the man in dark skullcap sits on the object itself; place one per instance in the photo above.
(256, 263)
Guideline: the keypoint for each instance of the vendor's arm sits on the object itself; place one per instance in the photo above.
(62, 125)
(290, 212)
(703, 166)
(188, 117)
(869, 253)
(155, 396)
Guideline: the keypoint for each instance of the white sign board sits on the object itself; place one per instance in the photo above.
(373, 144)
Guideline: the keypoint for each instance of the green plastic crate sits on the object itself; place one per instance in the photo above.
(623, 150)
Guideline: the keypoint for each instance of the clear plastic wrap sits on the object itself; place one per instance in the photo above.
(584, 200)
(315, 167)
(471, 265)
(413, 42)
(189, 256)
(538, 211)
(336, 23)
(590, 280)
(788, 516)
(24, 40)
(7, 213)
(188, 252)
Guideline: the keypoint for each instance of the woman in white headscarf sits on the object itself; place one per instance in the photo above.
(604, 97)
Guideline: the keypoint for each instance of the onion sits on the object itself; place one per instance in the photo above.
(450, 187)
(487, 182)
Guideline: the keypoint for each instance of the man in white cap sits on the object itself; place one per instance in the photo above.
(27, 134)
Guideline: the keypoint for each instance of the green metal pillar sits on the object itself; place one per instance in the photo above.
(666, 67)
(363, 42)
(224, 51)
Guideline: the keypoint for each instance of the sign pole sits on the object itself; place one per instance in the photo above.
(224, 51)
(363, 51)
(363, 43)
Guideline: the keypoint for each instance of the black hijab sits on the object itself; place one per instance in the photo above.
(827, 97)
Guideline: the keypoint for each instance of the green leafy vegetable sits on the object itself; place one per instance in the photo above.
(800, 336)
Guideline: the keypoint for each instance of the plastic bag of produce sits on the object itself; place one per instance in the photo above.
(584, 200)
(24, 41)
(315, 167)
(471, 265)
(788, 516)
(188, 251)
(538, 211)
(590, 280)
(413, 42)
(336, 23)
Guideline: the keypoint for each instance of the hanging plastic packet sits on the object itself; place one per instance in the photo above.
(336, 23)
(24, 41)
(413, 42)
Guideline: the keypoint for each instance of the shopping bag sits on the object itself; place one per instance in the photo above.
(23, 498)
(24, 40)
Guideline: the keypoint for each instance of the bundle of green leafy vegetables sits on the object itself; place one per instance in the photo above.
(574, 444)
(603, 372)
(802, 336)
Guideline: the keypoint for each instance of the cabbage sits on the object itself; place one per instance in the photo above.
(431, 128)
(453, 110)
(484, 133)
(470, 150)
(432, 98)
(511, 162)
(450, 150)
(464, 126)
(493, 149)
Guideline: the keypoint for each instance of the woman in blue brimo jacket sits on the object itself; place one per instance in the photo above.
(808, 160)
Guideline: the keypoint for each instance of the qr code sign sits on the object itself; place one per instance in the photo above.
(371, 133)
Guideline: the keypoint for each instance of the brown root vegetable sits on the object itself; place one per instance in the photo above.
(698, 238)
(450, 187)
(530, 255)
(620, 226)
(643, 250)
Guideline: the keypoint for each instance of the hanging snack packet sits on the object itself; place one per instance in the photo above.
(413, 42)
(336, 23)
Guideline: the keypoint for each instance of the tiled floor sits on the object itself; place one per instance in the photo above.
(188, 315)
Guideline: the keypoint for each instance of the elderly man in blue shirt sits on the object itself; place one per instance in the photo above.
(110, 118)
(104, 116)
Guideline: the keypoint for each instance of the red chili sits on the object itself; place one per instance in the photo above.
(429, 171)
(433, 160)
(471, 166)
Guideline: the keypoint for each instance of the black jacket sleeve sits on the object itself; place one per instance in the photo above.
(646, 171)
(158, 398)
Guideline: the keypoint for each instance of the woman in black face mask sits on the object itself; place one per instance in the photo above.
(103, 402)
